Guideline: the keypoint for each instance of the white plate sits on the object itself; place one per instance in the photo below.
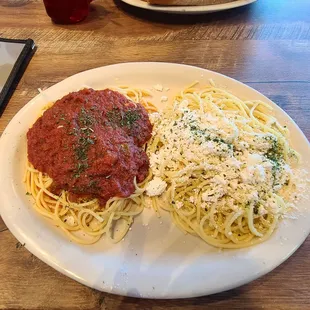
(157, 260)
(193, 9)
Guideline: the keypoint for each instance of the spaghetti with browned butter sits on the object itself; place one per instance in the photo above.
(221, 166)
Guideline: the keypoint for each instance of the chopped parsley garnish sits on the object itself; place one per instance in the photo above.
(80, 167)
(255, 209)
(83, 146)
(85, 119)
(62, 118)
(84, 142)
(123, 119)
(93, 184)
(129, 118)
(274, 153)
(74, 131)
(114, 115)
(81, 154)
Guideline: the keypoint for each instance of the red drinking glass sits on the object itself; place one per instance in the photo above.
(67, 11)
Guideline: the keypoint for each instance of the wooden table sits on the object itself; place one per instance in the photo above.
(265, 45)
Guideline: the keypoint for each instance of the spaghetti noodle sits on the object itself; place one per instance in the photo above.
(221, 166)
(86, 221)
(226, 166)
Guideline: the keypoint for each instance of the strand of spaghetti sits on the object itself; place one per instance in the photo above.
(181, 224)
(250, 222)
(80, 240)
(221, 222)
(109, 226)
(85, 215)
(229, 221)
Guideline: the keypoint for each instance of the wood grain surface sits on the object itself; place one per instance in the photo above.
(265, 45)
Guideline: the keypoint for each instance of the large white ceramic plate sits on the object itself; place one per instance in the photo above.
(200, 9)
(155, 260)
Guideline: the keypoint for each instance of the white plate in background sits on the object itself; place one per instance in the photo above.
(156, 260)
(189, 9)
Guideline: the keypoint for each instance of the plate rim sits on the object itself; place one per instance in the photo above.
(199, 9)
(48, 259)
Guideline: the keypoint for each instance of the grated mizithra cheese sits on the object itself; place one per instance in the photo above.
(243, 167)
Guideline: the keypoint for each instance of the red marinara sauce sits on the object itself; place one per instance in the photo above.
(90, 144)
